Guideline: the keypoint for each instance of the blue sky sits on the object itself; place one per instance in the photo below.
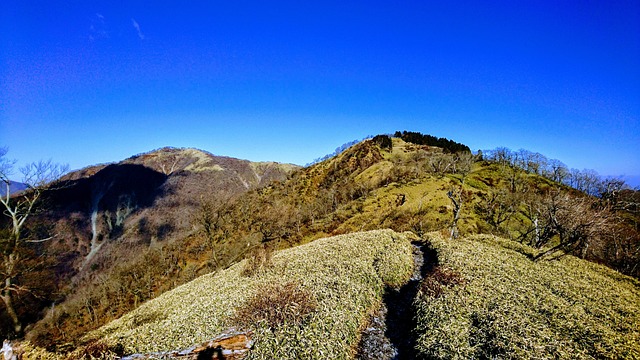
(86, 82)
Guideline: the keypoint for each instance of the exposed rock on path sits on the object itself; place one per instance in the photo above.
(232, 345)
(388, 335)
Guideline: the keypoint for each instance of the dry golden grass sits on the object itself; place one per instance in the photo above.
(341, 279)
(510, 307)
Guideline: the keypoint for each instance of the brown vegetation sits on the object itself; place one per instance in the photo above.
(357, 190)
(128, 232)
(438, 279)
(277, 304)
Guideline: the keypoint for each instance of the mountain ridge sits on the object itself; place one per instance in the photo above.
(14, 188)
(100, 215)
(384, 182)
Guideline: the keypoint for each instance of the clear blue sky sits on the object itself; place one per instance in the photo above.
(87, 82)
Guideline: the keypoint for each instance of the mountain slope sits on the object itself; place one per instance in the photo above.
(486, 299)
(342, 277)
(14, 187)
(145, 199)
(103, 216)
(379, 183)
(482, 297)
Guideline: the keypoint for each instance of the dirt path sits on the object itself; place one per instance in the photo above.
(388, 335)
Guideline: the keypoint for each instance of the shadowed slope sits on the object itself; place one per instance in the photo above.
(107, 216)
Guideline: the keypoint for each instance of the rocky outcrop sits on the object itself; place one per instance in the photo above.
(8, 352)
(231, 345)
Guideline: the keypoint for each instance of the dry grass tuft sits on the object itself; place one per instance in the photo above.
(98, 350)
(277, 305)
(435, 283)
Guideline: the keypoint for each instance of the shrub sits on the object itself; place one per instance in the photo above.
(101, 350)
(277, 304)
(440, 278)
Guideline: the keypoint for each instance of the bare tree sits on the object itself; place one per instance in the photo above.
(502, 156)
(18, 208)
(440, 164)
(463, 163)
(576, 222)
(458, 196)
(456, 201)
(557, 171)
(215, 221)
(498, 207)
(273, 221)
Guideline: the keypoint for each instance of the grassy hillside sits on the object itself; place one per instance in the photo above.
(487, 299)
(341, 279)
(483, 297)
(379, 183)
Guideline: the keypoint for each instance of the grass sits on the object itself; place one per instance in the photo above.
(483, 298)
(340, 280)
(502, 305)
(423, 200)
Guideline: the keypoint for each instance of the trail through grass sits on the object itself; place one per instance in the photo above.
(503, 305)
(345, 276)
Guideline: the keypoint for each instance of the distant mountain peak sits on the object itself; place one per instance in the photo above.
(14, 187)
(169, 160)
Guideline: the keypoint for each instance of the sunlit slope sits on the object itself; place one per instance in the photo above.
(488, 300)
(388, 184)
(339, 279)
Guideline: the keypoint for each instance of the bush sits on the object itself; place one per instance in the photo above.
(277, 304)
(97, 350)
(438, 280)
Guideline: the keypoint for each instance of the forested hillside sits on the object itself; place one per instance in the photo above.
(94, 220)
